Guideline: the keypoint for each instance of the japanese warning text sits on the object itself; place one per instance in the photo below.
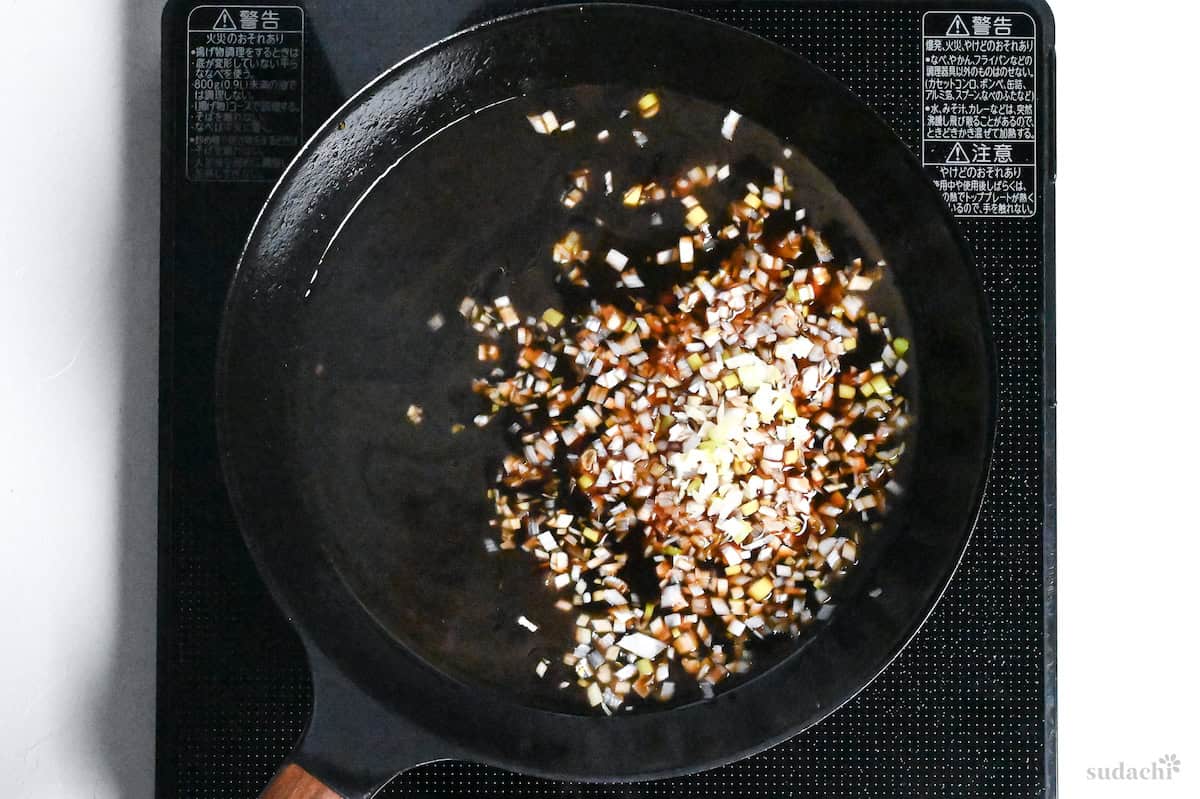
(979, 125)
(245, 114)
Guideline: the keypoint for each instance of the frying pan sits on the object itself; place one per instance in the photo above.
(368, 530)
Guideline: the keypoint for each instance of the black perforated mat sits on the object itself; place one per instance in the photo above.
(962, 712)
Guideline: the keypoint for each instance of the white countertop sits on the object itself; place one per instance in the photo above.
(78, 415)
(78, 326)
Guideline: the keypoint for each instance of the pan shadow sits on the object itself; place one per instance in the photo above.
(122, 715)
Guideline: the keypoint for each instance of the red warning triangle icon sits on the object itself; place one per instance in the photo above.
(225, 22)
(957, 155)
(958, 27)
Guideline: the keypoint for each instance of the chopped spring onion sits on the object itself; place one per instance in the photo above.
(718, 429)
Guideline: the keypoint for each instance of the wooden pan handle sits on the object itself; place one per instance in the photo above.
(293, 782)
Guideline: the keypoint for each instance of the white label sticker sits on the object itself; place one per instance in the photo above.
(979, 111)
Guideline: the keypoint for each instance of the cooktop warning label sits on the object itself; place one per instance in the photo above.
(978, 121)
(245, 93)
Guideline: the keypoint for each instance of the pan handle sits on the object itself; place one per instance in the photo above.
(353, 745)
(293, 782)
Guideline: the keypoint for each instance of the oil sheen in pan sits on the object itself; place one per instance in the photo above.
(474, 211)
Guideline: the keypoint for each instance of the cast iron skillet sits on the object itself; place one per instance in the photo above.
(368, 530)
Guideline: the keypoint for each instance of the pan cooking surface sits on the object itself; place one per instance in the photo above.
(473, 210)
(369, 530)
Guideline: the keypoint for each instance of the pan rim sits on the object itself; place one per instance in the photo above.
(276, 586)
